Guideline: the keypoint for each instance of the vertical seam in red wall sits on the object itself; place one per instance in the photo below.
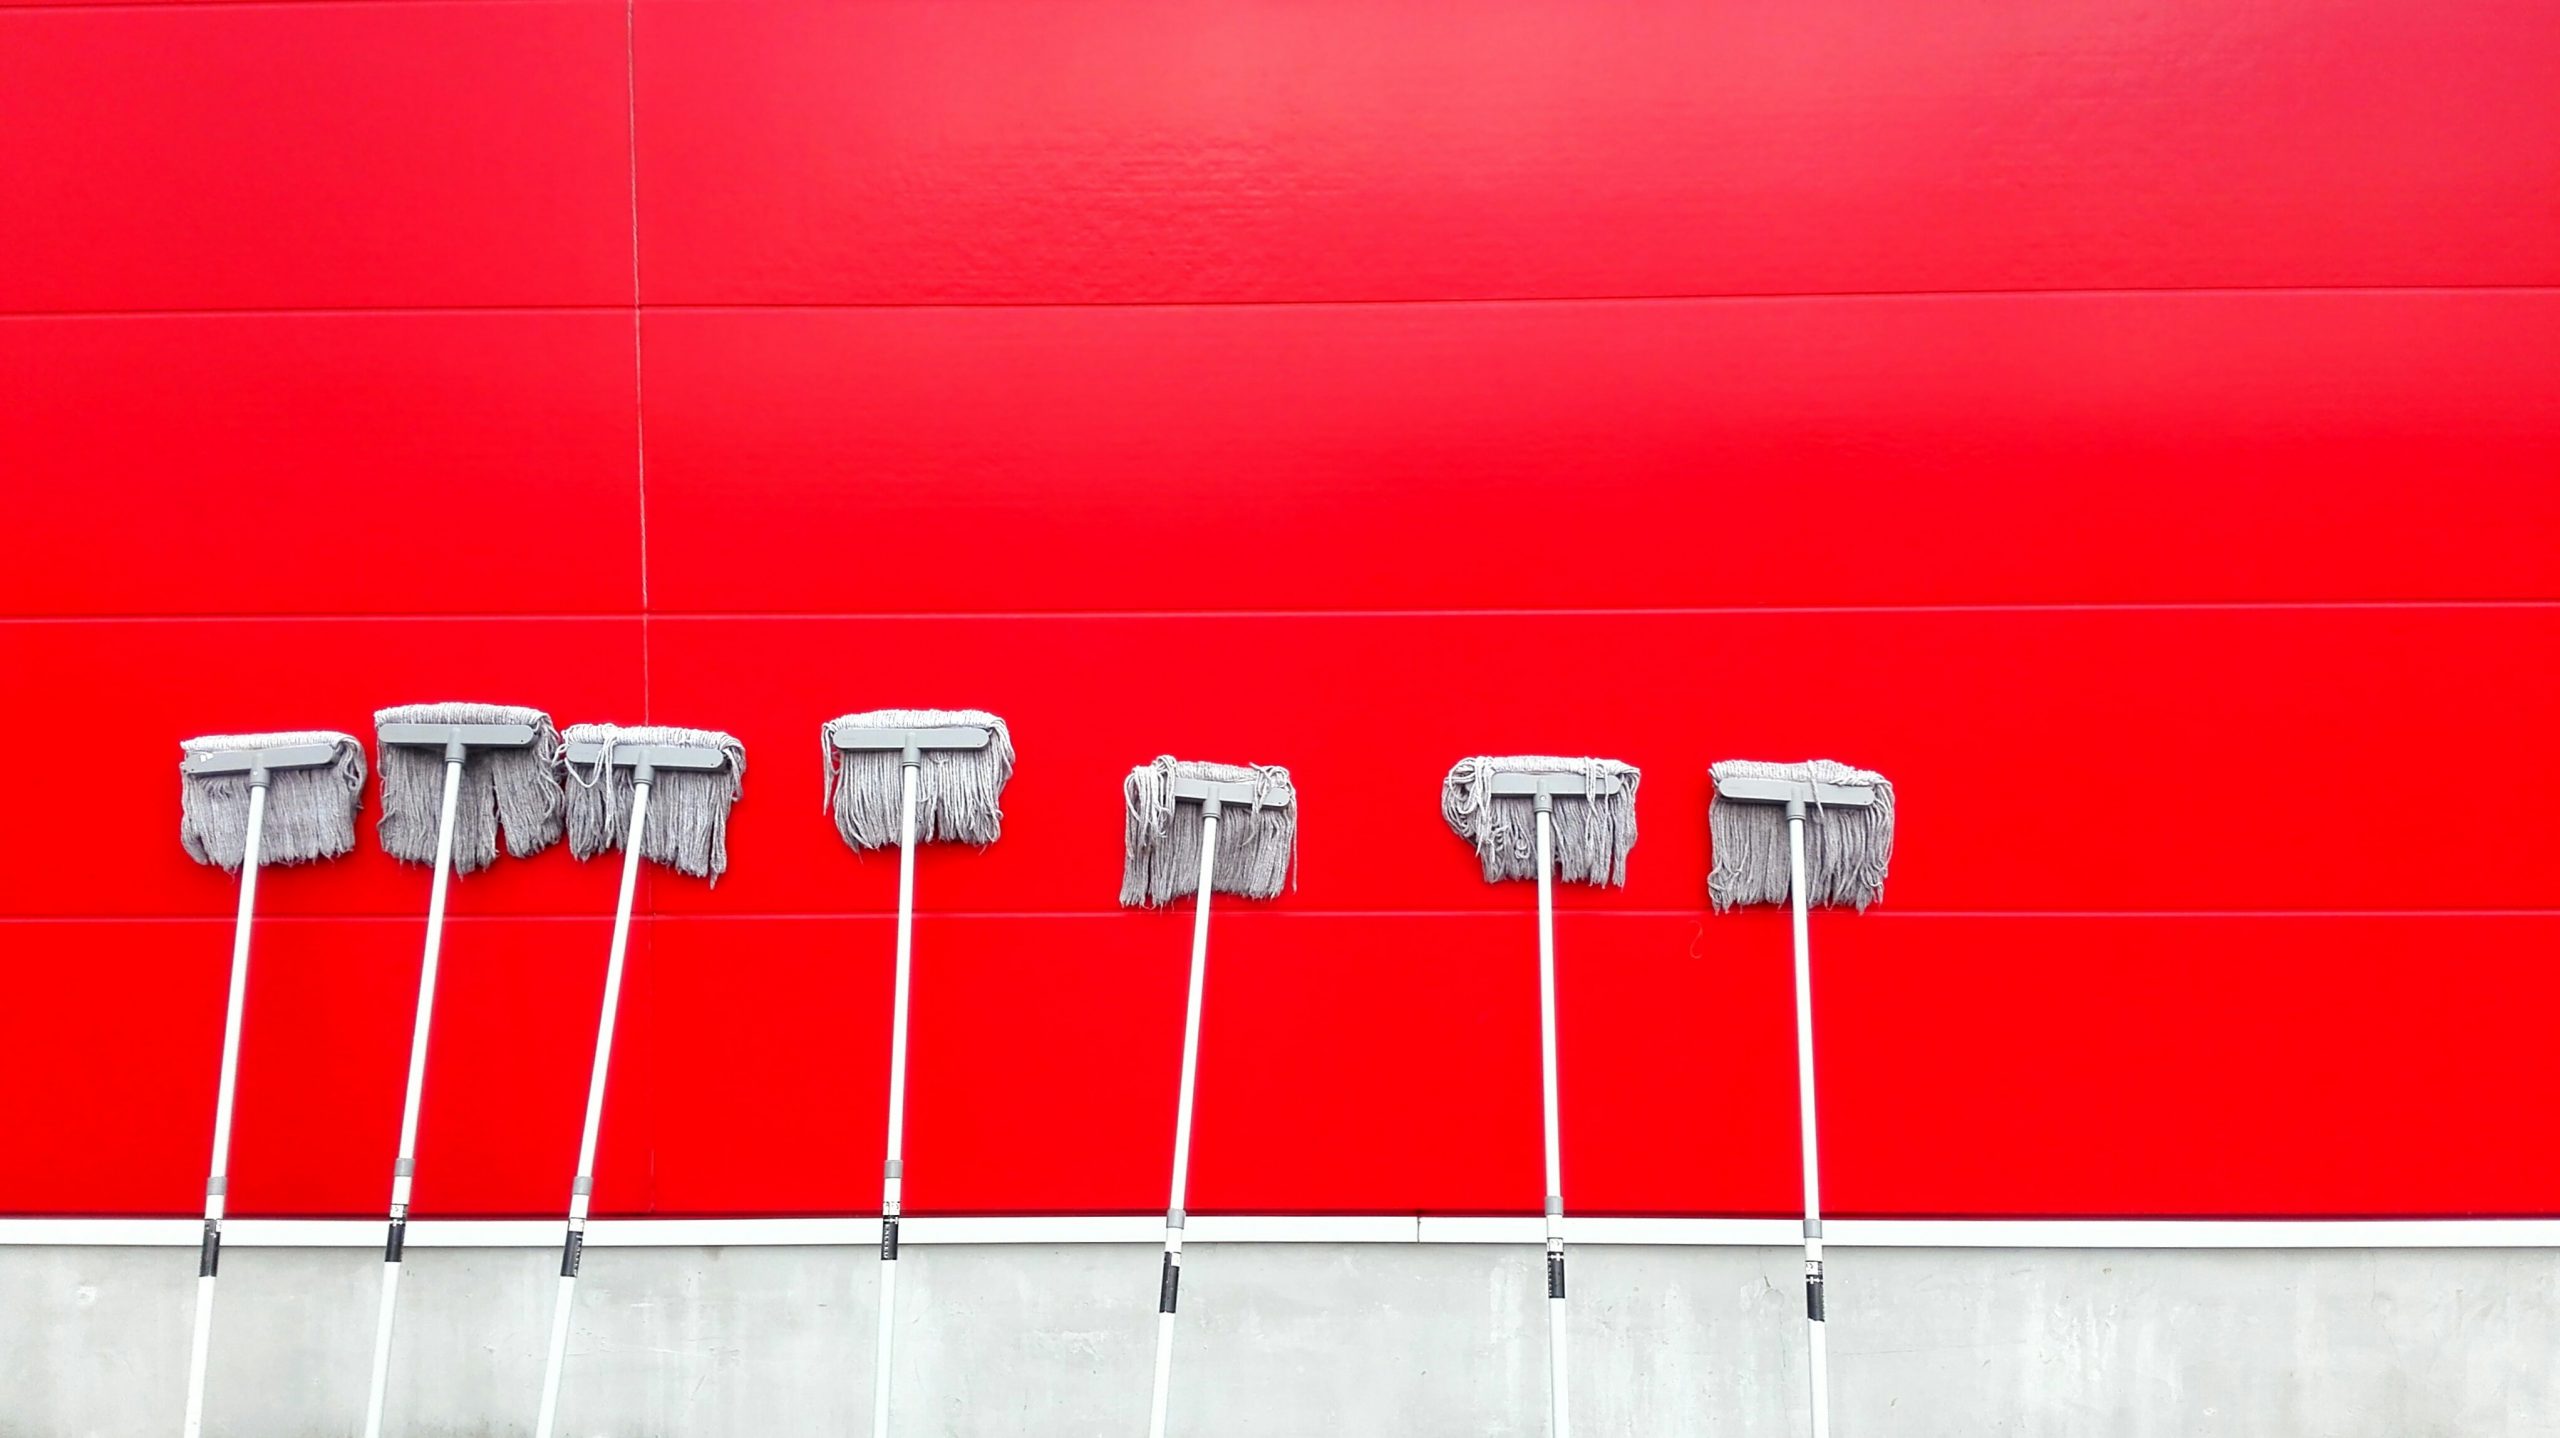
(639, 373)
(640, 497)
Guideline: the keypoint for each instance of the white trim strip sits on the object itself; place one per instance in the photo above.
(1527, 1232)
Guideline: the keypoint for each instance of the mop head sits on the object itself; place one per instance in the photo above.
(517, 790)
(311, 812)
(1257, 845)
(956, 789)
(1846, 846)
(1593, 832)
(688, 824)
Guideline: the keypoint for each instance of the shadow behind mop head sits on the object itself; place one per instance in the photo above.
(1848, 832)
(694, 777)
(1257, 830)
(315, 784)
(513, 787)
(958, 783)
(1492, 803)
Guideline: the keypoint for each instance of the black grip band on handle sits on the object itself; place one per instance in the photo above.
(1813, 1291)
(1555, 1275)
(1172, 1284)
(572, 1249)
(209, 1257)
(888, 1240)
(396, 1240)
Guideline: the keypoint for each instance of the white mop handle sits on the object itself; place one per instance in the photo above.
(893, 1170)
(217, 1182)
(1169, 1284)
(1817, 1356)
(573, 1244)
(1558, 1423)
(378, 1390)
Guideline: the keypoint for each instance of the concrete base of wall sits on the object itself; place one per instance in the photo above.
(1409, 1340)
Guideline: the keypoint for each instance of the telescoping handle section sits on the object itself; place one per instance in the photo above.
(257, 764)
(910, 745)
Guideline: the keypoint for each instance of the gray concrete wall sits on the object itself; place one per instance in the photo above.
(1396, 1340)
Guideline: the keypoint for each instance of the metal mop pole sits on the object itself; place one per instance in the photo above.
(217, 1183)
(407, 1163)
(573, 1245)
(1558, 1424)
(1817, 1357)
(1171, 1285)
(892, 1171)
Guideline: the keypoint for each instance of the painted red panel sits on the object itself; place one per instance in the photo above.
(2046, 449)
(2047, 759)
(815, 152)
(2208, 1066)
(320, 464)
(1349, 1063)
(267, 157)
(126, 1119)
(109, 841)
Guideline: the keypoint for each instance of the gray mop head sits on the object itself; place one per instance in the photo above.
(1257, 844)
(517, 790)
(956, 789)
(1593, 832)
(311, 812)
(1846, 846)
(688, 823)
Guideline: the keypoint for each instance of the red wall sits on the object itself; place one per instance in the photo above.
(2132, 427)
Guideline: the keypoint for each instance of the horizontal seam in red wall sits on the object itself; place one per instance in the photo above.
(2060, 292)
(1574, 914)
(634, 616)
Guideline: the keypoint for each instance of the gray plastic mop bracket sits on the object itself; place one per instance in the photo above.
(216, 1187)
(1173, 1218)
(255, 762)
(893, 1168)
(454, 738)
(649, 756)
(583, 1184)
(911, 743)
(1549, 786)
(1794, 791)
(1813, 1228)
(1239, 792)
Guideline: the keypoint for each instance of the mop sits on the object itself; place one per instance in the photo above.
(247, 800)
(673, 788)
(1802, 834)
(1509, 809)
(1181, 841)
(950, 767)
(432, 757)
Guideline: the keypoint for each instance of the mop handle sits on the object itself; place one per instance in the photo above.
(1817, 1350)
(218, 1181)
(573, 1243)
(1558, 1423)
(1169, 1285)
(893, 1170)
(378, 1390)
